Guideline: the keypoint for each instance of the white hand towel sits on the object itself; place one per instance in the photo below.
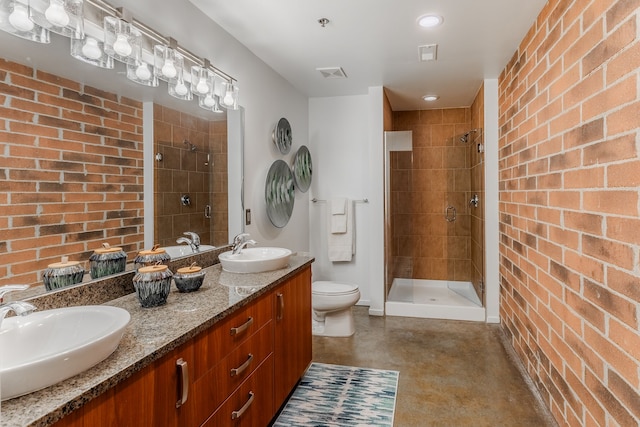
(338, 215)
(341, 246)
(338, 205)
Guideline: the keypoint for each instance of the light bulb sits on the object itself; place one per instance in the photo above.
(19, 18)
(90, 49)
(228, 98)
(56, 14)
(168, 69)
(142, 72)
(181, 88)
(202, 86)
(209, 101)
(122, 46)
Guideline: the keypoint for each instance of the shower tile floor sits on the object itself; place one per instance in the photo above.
(452, 373)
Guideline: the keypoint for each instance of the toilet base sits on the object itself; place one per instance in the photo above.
(333, 324)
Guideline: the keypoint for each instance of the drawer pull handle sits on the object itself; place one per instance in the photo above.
(183, 382)
(280, 313)
(241, 368)
(244, 327)
(237, 414)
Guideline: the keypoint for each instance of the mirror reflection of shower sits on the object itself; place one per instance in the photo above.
(191, 146)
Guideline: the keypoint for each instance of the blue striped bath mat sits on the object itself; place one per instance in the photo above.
(334, 395)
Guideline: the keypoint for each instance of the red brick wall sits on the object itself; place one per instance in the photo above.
(569, 217)
(70, 172)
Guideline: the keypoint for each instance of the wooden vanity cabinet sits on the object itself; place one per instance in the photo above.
(292, 333)
(240, 371)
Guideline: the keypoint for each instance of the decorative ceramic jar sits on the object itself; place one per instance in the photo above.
(152, 284)
(63, 273)
(153, 256)
(107, 260)
(189, 279)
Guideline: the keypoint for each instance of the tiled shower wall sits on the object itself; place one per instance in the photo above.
(195, 173)
(71, 172)
(423, 183)
(569, 114)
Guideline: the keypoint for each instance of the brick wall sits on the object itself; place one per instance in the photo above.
(569, 217)
(423, 183)
(70, 172)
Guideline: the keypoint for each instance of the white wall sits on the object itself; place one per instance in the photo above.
(492, 212)
(346, 147)
(266, 97)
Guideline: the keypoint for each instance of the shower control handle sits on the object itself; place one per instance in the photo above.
(474, 201)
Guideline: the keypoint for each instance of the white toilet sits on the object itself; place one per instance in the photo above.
(331, 303)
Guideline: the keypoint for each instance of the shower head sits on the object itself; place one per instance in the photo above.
(466, 137)
(192, 147)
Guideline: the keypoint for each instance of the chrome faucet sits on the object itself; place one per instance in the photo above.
(20, 308)
(240, 242)
(193, 241)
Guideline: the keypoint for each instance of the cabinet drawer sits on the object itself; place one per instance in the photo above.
(252, 403)
(213, 345)
(210, 390)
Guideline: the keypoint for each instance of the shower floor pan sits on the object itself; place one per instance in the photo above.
(434, 299)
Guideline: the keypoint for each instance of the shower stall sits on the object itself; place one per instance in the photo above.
(434, 218)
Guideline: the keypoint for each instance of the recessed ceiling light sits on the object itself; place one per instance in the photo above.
(430, 98)
(428, 21)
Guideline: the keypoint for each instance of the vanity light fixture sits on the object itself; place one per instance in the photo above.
(179, 88)
(121, 39)
(201, 79)
(64, 17)
(430, 21)
(91, 51)
(14, 19)
(100, 34)
(167, 60)
(430, 98)
(230, 98)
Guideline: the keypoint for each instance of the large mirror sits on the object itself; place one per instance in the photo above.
(79, 160)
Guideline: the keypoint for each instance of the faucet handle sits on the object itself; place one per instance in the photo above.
(194, 237)
(10, 288)
(240, 238)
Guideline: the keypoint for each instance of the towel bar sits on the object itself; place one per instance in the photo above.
(365, 200)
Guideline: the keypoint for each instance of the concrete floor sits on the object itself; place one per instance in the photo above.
(451, 373)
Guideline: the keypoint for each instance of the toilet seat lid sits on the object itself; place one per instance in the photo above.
(332, 288)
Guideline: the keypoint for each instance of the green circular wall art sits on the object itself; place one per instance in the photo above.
(282, 137)
(302, 169)
(279, 193)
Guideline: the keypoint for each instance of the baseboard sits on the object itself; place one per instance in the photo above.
(493, 319)
(376, 312)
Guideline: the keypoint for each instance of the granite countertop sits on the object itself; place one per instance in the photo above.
(151, 333)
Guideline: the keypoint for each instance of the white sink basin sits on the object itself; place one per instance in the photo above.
(255, 260)
(49, 346)
(184, 250)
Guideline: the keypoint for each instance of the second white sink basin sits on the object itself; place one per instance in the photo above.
(255, 260)
(184, 250)
(49, 346)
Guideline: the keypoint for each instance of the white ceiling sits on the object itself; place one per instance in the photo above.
(376, 43)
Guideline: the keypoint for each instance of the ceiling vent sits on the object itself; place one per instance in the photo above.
(332, 73)
(428, 52)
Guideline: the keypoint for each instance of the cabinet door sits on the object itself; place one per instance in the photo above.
(251, 405)
(147, 398)
(292, 348)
